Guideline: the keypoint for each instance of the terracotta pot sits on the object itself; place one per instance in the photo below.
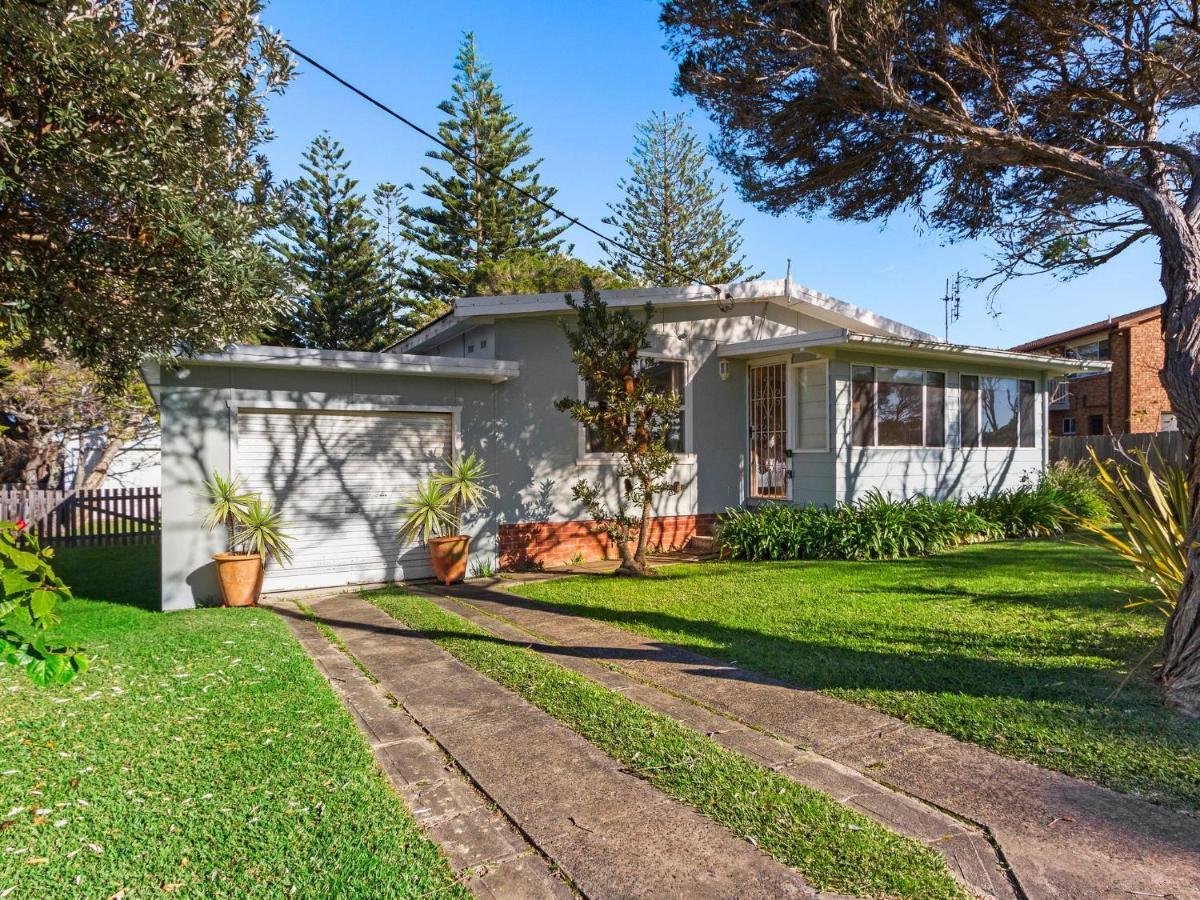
(449, 557)
(241, 576)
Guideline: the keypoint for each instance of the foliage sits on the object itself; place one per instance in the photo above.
(878, 527)
(391, 216)
(474, 219)
(1020, 647)
(251, 524)
(426, 513)
(836, 848)
(673, 213)
(483, 568)
(1079, 489)
(131, 187)
(537, 272)
(627, 413)
(1153, 513)
(187, 724)
(29, 608)
(873, 527)
(334, 266)
(261, 529)
(50, 404)
(464, 485)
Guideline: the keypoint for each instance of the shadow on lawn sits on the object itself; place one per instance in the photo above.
(128, 575)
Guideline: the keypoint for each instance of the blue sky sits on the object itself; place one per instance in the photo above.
(581, 75)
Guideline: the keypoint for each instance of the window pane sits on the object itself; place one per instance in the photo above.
(899, 404)
(863, 406)
(968, 410)
(666, 376)
(1028, 414)
(1000, 405)
(935, 409)
(812, 410)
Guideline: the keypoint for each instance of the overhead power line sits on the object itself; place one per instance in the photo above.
(722, 295)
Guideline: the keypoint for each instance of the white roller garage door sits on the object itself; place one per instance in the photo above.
(337, 477)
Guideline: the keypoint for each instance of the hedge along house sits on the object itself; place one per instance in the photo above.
(788, 396)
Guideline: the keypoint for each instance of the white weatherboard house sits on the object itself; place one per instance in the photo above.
(789, 396)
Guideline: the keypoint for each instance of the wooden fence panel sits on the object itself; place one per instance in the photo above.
(1168, 444)
(101, 517)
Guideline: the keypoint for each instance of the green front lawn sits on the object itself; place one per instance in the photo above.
(201, 754)
(1020, 647)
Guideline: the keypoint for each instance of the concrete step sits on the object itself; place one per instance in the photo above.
(702, 543)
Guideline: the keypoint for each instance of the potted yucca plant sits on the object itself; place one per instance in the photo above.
(433, 515)
(254, 533)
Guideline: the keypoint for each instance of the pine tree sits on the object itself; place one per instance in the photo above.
(475, 219)
(333, 263)
(672, 212)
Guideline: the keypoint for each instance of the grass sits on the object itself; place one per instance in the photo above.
(202, 754)
(1020, 647)
(835, 848)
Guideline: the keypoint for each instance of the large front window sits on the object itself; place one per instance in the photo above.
(997, 412)
(664, 376)
(894, 407)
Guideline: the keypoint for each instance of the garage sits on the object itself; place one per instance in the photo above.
(337, 478)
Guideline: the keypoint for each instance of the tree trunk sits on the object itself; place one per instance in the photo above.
(1180, 671)
(94, 479)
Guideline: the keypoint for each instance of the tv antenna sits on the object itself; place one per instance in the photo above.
(952, 301)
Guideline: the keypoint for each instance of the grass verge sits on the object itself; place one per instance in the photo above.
(1020, 647)
(202, 754)
(836, 849)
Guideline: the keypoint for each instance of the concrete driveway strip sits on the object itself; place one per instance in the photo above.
(1062, 837)
(611, 833)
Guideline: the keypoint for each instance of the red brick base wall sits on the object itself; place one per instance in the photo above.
(529, 545)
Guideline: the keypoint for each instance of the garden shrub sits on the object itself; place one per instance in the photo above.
(878, 527)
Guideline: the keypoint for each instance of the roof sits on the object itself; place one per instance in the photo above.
(256, 356)
(1084, 330)
(926, 349)
(782, 291)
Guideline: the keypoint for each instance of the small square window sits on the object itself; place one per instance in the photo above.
(1068, 425)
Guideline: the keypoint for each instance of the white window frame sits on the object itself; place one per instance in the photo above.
(1038, 408)
(1074, 426)
(586, 457)
(793, 389)
(875, 445)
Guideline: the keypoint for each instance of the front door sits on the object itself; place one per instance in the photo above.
(768, 432)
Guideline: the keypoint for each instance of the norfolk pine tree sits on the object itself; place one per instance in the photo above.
(474, 219)
(332, 262)
(672, 213)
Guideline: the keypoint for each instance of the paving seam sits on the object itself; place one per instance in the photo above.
(726, 866)
(1165, 850)
(998, 863)
(325, 655)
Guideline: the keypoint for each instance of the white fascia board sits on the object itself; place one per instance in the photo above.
(849, 315)
(151, 373)
(939, 350)
(253, 356)
(437, 330)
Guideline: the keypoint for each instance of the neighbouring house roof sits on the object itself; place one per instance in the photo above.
(920, 349)
(468, 311)
(1103, 325)
(255, 356)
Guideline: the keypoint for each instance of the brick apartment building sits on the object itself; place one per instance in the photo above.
(1130, 398)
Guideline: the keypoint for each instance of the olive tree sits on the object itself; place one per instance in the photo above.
(1065, 129)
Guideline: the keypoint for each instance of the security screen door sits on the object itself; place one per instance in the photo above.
(768, 432)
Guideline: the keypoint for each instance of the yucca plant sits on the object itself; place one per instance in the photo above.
(463, 487)
(426, 514)
(1153, 516)
(227, 499)
(260, 529)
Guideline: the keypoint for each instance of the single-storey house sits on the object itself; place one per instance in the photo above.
(789, 396)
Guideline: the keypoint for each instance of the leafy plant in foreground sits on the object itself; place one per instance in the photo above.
(32, 593)
(1154, 524)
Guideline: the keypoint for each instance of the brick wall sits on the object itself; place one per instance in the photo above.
(1147, 399)
(1089, 396)
(527, 545)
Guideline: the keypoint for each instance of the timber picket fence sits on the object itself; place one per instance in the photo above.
(100, 517)
(1164, 445)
